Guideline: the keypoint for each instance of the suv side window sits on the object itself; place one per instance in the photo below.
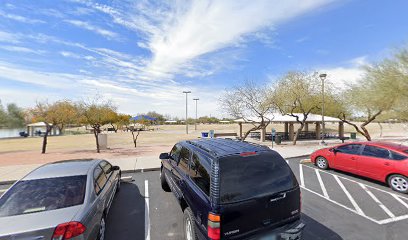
(99, 179)
(199, 174)
(106, 168)
(349, 149)
(377, 152)
(175, 152)
(184, 159)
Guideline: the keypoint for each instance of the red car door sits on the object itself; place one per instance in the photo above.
(375, 162)
(346, 156)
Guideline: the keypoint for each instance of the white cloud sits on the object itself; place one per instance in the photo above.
(98, 30)
(20, 18)
(21, 49)
(9, 37)
(179, 32)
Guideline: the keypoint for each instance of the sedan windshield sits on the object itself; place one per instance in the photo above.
(43, 195)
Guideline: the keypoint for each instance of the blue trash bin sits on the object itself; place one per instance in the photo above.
(204, 134)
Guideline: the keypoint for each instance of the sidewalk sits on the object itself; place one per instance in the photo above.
(144, 163)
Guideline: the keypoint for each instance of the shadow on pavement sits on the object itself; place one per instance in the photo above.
(315, 230)
(126, 219)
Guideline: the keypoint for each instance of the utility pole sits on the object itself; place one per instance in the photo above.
(195, 123)
(323, 77)
(186, 92)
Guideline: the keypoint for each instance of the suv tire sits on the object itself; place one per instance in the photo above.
(189, 231)
(164, 184)
(398, 183)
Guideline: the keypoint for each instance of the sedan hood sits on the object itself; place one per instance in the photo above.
(39, 225)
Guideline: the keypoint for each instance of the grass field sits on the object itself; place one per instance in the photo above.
(164, 135)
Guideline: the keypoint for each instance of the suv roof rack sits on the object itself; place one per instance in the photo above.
(202, 147)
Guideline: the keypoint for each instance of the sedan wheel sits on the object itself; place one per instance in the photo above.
(102, 229)
(398, 183)
(322, 163)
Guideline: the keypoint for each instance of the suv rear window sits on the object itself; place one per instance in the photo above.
(42, 195)
(243, 178)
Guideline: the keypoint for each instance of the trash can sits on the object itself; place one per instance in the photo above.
(204, 134)
(211, 133)
(278, 139)
(353, 135)
(103, 141)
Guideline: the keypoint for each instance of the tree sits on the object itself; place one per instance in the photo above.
(248, 101)
(382, 90)
(40, 113)
(159, 117)
(57, 114)
(123, 120)
(113, 118)
(12, 117)
(297, 92)
(143, 122)
(62, 113)
(96, 114)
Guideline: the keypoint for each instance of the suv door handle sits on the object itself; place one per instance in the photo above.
(353, 158)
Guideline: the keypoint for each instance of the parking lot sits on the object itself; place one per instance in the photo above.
(335, 205)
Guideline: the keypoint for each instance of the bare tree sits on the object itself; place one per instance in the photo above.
(249, 102)
(297, 94)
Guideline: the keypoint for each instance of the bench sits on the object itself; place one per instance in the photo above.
(225, 135)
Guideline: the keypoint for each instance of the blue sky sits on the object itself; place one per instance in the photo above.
(143, 54)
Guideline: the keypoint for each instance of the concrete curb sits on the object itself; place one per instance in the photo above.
(145, 170)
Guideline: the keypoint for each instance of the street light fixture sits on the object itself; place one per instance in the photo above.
(323, 77)
(195, 123)
(186, 92)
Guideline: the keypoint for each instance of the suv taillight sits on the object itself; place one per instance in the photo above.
(68, 230)
(214, 226)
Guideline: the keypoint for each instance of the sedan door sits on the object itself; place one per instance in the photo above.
(110, 183)
(375, 162)
(346, 157)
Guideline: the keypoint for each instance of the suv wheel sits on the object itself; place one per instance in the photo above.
(189, 225)
(163, 181)
(322, 163)
(398, 183)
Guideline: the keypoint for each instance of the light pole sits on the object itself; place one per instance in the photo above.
(323, 77)
(186, 92)
(195, 123)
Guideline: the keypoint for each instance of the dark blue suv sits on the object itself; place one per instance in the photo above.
(230, 189)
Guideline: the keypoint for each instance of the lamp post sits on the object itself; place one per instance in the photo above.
(323, 77)
(195, 123)
(186, 92)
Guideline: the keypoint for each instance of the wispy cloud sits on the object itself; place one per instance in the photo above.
(179, 32)
(20, 18)
(98, 30)
(21, 49)
(8, 37)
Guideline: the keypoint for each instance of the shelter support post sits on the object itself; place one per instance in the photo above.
(286, 128)
(240, 131)
(263, 133)
(306, 127)
(318, 130)
(341, 130)
(291, 131)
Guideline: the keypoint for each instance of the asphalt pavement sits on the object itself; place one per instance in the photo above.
(335, 205)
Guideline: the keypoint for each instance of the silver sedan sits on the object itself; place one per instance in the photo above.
(62, 200)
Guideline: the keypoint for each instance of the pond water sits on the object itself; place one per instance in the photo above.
(10, 132)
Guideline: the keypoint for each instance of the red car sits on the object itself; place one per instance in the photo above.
(381, 161)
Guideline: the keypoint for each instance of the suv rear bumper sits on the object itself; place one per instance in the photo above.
(290, 231)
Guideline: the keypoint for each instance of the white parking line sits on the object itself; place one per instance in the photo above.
(321, 184)
(399, 200)
(147, 217)
(386, 210)
(302, 181)
(358, 209)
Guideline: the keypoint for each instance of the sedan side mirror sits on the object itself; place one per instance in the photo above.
(164, 156)
(333, 150)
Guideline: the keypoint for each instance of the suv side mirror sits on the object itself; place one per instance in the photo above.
(164, 156)
(115, 168)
